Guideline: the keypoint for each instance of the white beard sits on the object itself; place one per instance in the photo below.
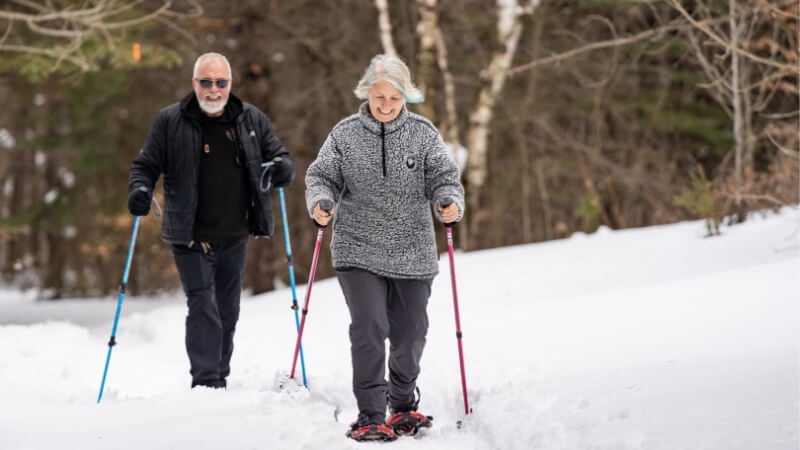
(211, 107)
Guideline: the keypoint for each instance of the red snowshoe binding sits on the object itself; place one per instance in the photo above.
(407, 421)
(363, 430)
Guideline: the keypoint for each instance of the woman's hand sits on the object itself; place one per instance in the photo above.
(449, 213)
(321, 216)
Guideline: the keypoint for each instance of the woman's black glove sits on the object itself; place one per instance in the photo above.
(139, 201)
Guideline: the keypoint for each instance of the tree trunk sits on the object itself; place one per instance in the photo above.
(385, 27)
(260, 271)
(738, 111)
(427, 30)
(451, 129)
(526, 188)
(509, 29)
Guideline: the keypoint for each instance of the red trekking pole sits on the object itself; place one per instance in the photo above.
(449, 230)
(326, 205)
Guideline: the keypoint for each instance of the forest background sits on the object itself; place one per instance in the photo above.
(564, 115)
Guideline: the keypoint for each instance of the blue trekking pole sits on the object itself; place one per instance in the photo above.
(112, 341)
(290, 263)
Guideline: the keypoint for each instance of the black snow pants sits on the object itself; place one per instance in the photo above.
(382, 308)
(212, 282)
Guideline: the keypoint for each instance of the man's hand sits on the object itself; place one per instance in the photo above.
(282, 172)
(139, 201)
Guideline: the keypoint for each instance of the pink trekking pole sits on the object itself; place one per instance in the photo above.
(326, 206)
(449, 231)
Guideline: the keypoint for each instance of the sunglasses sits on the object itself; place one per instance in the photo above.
(206, 83)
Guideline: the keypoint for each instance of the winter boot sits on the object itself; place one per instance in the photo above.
(213, 384)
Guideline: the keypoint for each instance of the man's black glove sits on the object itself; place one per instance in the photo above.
(139, 201)
(282, 172)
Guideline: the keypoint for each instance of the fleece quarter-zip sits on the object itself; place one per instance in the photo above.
(383, 178)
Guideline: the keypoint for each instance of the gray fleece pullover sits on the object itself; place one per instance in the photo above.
(383, 179)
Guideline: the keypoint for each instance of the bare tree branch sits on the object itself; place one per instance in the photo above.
(703, 26)
(743, 196)
(55, 54)
(644, 35)
(785, 150)
(60, 31)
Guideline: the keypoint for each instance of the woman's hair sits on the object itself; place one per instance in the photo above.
(392, 69)
(210, 55)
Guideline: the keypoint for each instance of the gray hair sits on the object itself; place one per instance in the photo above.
(392, 69)
(210, 55)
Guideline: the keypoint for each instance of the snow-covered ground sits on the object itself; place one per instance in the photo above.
(653, 338)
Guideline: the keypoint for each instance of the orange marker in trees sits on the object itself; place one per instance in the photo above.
(137, 52)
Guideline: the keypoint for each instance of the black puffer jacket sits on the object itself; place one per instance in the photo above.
(173, 147)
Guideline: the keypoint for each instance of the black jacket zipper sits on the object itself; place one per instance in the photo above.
(383, 149)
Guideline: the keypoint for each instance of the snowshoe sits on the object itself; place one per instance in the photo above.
(408, 423)
(371, 432)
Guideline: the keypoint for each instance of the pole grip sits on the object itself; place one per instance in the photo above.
(326, 205)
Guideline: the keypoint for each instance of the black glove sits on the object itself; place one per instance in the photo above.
(139, 201)
(282, 172)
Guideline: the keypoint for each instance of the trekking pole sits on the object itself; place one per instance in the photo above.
(112, 341)
(325, 205)
(290, 264)
(449, 231)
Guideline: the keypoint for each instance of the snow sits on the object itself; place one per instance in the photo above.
(653, 338)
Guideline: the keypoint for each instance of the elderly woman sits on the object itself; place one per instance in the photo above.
(383, 168)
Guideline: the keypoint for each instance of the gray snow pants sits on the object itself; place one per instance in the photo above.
(382, 308)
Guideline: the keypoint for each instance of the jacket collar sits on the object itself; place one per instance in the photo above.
(373, 125)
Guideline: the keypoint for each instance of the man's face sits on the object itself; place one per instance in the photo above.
(210, 74)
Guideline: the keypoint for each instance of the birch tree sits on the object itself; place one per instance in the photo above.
(432, 60)
(385, 27)
(427, 30)
(493, 78)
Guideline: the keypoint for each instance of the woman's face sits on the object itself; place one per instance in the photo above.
(385, 101)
